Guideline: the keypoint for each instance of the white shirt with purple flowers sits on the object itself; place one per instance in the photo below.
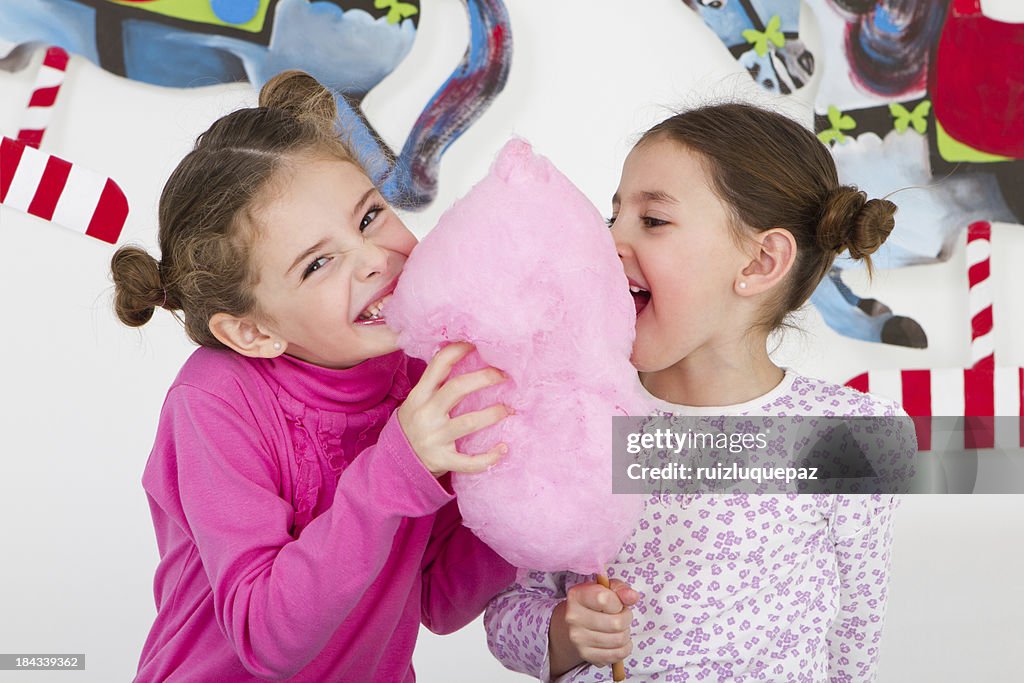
(738, 588)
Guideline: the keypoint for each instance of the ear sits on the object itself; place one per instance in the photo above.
(246, 336)
(774, 252)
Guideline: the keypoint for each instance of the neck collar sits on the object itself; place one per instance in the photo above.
(354, 389)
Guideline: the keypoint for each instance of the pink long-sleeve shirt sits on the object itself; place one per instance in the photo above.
(300, 537)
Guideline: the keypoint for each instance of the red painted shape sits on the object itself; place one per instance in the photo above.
(979, 230)
(917, 391)
(55, 177)
(32, 137)
(10, 157)
(57, 58)
(110, 215)
(980, 404)
(44, 97)
(979, 271)
(978, 91)
(917, 401)
(860, 383)
(981, 323)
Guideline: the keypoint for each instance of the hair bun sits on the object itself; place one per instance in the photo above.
(871, 227)
(302, 96)
(138, 290)
(851, 222)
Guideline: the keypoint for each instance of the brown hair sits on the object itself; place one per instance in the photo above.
(206, 228)
(774, 173)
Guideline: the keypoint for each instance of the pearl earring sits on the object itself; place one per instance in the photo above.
(743, 285)
(277, 346)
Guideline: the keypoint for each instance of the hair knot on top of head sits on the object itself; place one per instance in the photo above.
(852, 222)
(293, 106)
(302, 96)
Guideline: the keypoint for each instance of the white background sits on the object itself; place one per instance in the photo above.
(81, 393)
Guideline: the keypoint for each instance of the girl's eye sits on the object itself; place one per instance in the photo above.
(652, 222)
(610, 221)
(369, 217)
(317, 264)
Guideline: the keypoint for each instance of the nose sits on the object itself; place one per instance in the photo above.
(373, 261)
(622, 246)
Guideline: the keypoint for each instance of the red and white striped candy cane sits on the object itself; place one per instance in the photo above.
(979, 379)
(61, 192)
(44, 95)
(979, 272)
(977, 393)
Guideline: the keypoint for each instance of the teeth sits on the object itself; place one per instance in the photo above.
(373, 311)
(636, 290)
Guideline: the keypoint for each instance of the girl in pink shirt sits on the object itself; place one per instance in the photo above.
(298, 483)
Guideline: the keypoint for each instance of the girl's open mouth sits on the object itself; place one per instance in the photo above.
(373, 314)
(641, 297)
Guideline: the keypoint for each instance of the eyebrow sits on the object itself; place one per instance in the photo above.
(659, 196)
(362, 201)
(309, 252)
(650, 196)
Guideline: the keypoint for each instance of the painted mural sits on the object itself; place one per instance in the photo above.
(926, 95)
(196, 43)
(919, 94)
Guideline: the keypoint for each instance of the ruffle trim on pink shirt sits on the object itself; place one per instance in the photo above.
(324, 436)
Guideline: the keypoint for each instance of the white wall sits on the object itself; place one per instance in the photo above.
(81, 393)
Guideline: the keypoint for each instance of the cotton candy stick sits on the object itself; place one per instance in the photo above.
(618, 668)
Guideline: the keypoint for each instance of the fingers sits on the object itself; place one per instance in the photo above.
(605, 657)
(627, 596)
(597, 640)
(598, 624)
(462, 425)
(440, 366)
(457, 388)
(425, 414)
(597, 598)
(474, 464)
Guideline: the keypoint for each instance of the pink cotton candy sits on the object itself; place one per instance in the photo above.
(524, 268)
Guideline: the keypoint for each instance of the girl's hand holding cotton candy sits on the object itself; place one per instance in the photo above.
(592, 624)
(424, 415)
(524, 268)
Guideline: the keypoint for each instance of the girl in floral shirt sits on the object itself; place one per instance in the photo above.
(719, 245)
